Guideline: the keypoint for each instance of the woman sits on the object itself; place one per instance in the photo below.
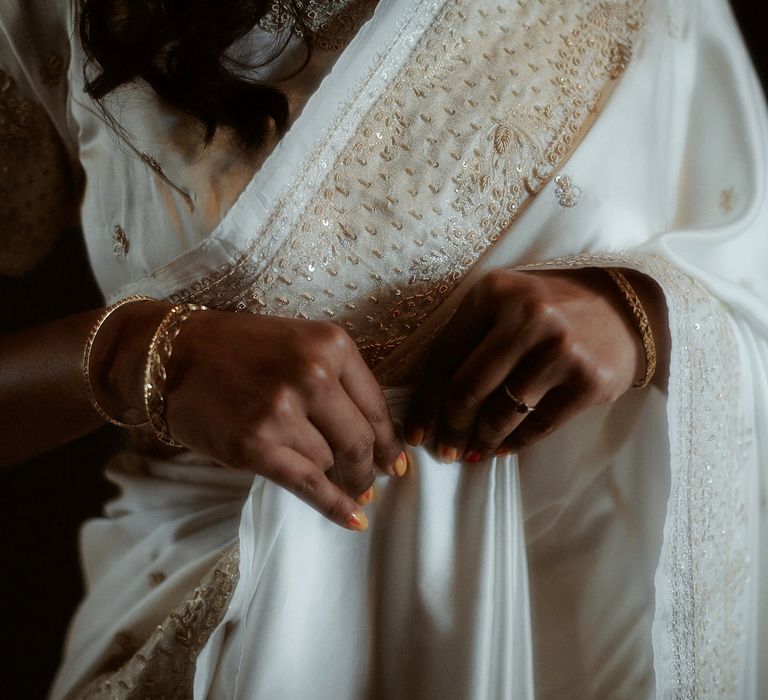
(446, 197)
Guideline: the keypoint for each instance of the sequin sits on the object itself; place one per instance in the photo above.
(36, 187)
(566, 192)
(120, 243)
(331, 23)
(703, 571)
(727, 200)
(165, 663)
(401, 160)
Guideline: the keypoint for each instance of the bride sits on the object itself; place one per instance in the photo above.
(482, 283)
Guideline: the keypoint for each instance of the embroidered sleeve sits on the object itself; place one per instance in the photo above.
(36, 192)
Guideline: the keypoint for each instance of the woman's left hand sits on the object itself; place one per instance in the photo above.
(556, 342)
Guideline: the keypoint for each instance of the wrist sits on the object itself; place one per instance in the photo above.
(118, 358)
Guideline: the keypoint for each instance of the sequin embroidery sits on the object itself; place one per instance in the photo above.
(436, 171)
(331, 23)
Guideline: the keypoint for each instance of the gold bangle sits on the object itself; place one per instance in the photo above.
(642, 323)
(158, 353)
(87, 359)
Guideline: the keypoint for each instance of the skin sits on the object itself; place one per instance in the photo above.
(293, 400)
(561, 341)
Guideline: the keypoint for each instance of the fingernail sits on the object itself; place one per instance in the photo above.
(472, 457)
(365, 498)
(357, 521)
(447, 454)
(415, 436)
(401, 464)
(503, 452)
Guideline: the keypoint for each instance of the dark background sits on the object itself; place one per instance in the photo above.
(43, 502)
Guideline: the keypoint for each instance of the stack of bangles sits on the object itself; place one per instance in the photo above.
(157, 356)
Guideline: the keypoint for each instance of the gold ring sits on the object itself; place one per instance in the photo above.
(520, 406)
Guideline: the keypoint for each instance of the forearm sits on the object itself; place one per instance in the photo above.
(43, 399)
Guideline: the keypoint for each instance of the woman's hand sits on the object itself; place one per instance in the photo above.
(291, 400)
(557, 341)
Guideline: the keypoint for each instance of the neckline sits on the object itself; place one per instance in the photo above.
(368, 62)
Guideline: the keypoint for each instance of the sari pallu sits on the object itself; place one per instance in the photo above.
(458, 137)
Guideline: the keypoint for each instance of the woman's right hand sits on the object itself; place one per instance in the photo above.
(289, 399)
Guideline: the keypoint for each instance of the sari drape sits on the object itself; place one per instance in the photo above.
(625, 556)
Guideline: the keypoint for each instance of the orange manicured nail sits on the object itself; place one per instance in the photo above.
(447, 454)
(415, 436)
(365, 498)
(472, 457)
(357, 521)
(503, 452)
(401, 464)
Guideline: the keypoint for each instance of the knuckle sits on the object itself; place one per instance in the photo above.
(492, 428)
(332, 337)
(316, 376)
(605, 385)
(309, 485)
(388, 453)
(379, 412)
(280, 405)
(463, 398)
(496, 423)
(584, 370)
(356, 483)
(493, 285)
(551, 317)
(359, 450)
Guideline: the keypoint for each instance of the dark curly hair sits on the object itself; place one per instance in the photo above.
(178, 48)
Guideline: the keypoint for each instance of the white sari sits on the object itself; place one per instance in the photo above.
(625, 556)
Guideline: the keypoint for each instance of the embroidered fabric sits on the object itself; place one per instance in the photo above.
(164, 665)
(512, 114)
(704, 561)
(36, 194)
(332, 23)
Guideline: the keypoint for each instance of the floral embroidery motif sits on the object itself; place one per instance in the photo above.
(35, 186)
(727, 200)
(567, 192)
(436, 172)
(121, 245)
(155, 578)
(165, 665)
(332, 24)
(52, 72)
(16, 112)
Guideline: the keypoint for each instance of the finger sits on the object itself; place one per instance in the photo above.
(364, 391)
(307, 440)
(537, 373)
(463, 333)
(486, 368)
(350, 437)
(558, 407)
(302, 477)
(585, 385)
